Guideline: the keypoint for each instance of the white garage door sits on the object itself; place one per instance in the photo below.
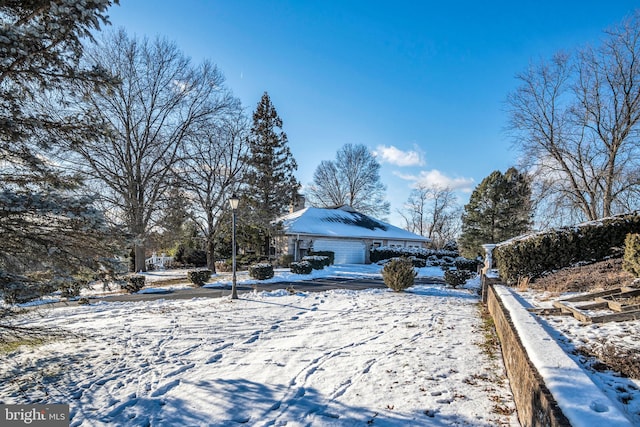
(346, 251)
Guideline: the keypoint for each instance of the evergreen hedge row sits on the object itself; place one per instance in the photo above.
(535, 254)
(317, 262)
(329, 254)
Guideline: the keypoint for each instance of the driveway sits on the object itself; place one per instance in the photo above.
(315, 285)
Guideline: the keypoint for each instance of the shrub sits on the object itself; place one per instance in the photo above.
(433, 256)
(455, 278)
(399, 274)
(535, 254)
(261, 271)
(317, 262)
(330, 254)
(302, 267)
(133, 283)
(631, 261)
(462, 263)
(418, 262)
(199, 277)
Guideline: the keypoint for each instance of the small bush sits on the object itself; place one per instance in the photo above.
(467, 264)
(455, 278)
(302, 267)
(133, 283)
(631, 261)
(199, 277)
(418, 262)
(261, 271)
(330, 254)
(399, 274)
(317, 262)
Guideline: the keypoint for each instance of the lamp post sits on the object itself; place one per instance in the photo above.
(233, 202)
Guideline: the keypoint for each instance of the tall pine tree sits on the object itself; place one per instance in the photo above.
(47, 225)
(270, 181)
(499, 208)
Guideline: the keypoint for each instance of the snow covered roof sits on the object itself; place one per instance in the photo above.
(343, 221)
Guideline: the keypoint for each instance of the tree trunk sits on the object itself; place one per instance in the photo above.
(140, 258)
(211, 260)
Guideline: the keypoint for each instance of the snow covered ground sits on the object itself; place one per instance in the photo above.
(333, 358)
(572, 335)
(330, 358)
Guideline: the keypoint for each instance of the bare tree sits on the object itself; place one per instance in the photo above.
(211, 169)
(433, 212)
(575, 120)
(161, 99)
(352, 179)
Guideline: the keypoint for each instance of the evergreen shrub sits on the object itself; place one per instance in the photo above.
(330, 254)
(199, 277)
(631, 262)
(535, 254)
(133, 283)
(317, 262)
(261, 271)
(467, 264)
(399, 274)
(302, 267)
(434, 257)
(455, 278)
(418, 262)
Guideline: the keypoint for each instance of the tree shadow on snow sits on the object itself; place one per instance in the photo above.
(244, 402)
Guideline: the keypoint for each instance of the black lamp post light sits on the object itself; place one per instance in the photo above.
(233, 202)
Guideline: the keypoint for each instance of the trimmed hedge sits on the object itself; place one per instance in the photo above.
(317, 262)
(455, 278)
(535, 254)
(302, 267)
(330, 254)
(424, 257)
(199, 277)
(261, 271)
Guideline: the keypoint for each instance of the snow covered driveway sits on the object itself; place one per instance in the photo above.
(334, 358)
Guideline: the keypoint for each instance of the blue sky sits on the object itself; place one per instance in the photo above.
(421, 83)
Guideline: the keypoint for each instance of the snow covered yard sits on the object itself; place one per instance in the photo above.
(336, 358)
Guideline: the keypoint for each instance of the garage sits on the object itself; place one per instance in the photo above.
(346, 251)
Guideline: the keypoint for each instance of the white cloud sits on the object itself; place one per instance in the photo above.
(395, 156)
(436, 179)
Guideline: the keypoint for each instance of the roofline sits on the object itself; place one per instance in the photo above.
(423, 239)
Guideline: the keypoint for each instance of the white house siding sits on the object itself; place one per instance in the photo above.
(346, 251)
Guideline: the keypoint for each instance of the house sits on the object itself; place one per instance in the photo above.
(342, 230)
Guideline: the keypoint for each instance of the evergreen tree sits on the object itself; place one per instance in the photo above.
(270, 181)
(499, 208)
(47, 224)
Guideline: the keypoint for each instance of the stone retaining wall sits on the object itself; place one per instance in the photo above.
(535, 404)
